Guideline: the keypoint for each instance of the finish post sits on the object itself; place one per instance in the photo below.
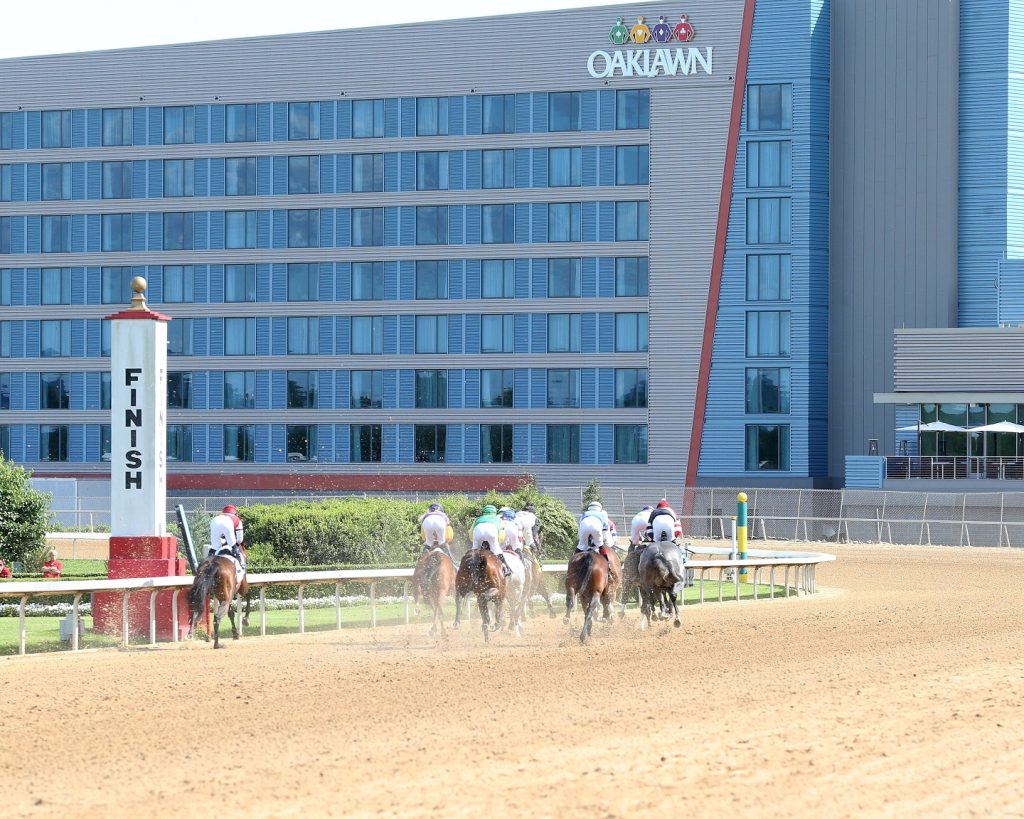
(741, 531)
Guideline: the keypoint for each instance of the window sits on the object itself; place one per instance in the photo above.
(179, 390)
(177, 231)
(116, 231)
(631, 221)
(496, 389)
(240, 123)
(105, 389)
(303, 335)
(431, 280)
(117, 180)
(631, 332)
(431, 334)
(55, 181)
(431, 116)
(632, 109)
(56, 129)
(564, 222)
(178, 283)
(432, 170)
(239, 336)
(5, 234)
(6, 188)
(497, 278)
(56, 232)
(302, 282)
(5, 339)
(365, 444)
(367, 120)
(563, 332)
(431, 389)
(115, 285)
(5, 286)
(240, 176)
(563, 443)
(768, 277)
(769, 164)
(302, 387)
(53, 442)
(564, 111)
(55, 339)
(631, 388)
(564, 277)
(565, 167)
(304, 120)
(239, 442)
(632, 165)
(239, 282)
(179, 442)
(367, 281)
(496, 443)
(767, 390)
(104, 442)
(304, 228)
(179, 125)
(768, 221)
(768, 333)
(499, 114)
(54, 391)
(498, 169)
(239, 229)
(179, 176)
(496, 333)
(769, 107)
(301, 442)
(631, 443)
(240, 389)
(631, 276)
(6, 132)
(55, 285)
(497, 224)
(367, 335)
(179, 337)
(5, 390)
(563, 388)
(430, 443)
(366, 389)
(5, 440)
(117, 126)
(304, 174)
(367, 173)
(767, 447)
(432, 225)
(367, 227)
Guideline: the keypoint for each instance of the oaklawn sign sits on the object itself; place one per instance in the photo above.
(645, 62)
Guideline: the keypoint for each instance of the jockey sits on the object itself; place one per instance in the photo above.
(226, 535)
(436, 531)
(489, 533)
(528, 522)
(592, 533)
(638, 526)
(664, 525)
(513, 531)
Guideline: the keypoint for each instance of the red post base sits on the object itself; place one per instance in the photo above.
(142, 557)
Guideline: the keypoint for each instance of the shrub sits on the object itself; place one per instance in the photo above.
(23, 513)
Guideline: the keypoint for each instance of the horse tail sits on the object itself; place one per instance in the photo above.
(665, 568)
(586, 571)
(202, 586)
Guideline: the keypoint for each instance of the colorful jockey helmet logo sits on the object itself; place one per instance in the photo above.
(641, 33)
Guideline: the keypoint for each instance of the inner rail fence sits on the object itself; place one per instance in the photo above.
(759, 564)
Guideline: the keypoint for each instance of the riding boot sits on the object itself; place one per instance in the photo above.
(612, 577)
(505, 568)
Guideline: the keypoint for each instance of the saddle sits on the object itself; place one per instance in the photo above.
(238, 564)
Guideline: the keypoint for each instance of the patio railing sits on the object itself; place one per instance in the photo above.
(954, 467)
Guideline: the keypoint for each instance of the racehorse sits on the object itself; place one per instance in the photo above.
(435, 582)
(630, 575)
(588, 577)
(217, 580)
(480, 574)
(662, 576)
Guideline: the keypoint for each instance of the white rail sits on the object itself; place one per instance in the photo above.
(803, 565)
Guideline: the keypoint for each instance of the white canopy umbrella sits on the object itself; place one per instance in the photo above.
(1000, 426)
(936, 426)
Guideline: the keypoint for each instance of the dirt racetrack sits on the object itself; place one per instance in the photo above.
(897, 691)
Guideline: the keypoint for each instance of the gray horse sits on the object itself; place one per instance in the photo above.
(661, 576)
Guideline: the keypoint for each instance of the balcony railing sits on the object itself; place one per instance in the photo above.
(954, 467)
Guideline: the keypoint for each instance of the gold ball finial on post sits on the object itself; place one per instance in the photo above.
(139, 289)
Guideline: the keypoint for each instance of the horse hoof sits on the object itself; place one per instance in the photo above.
(455, 625)
(245, 622)
(519, 632)
(643, 624)
(565, 620)
(217, 645)
(677, 624)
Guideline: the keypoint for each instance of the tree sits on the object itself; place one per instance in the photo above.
(592, 493)
(23, 513)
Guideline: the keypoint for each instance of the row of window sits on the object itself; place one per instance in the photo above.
(358, 119)
(359, 227)
(301, 442)
(559, 388)
(561, 278)
(356, 173)
(365, 335)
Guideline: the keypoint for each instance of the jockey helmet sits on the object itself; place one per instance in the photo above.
(436, 507)
(594, 506)
(230, 510)
(663, 504)
(529, 508)
(647, 507)
(489, 510)
(508, 514)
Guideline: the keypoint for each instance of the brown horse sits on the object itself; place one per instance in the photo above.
(588, 577)
(216, 581)
(435, 583)
(480, 574)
